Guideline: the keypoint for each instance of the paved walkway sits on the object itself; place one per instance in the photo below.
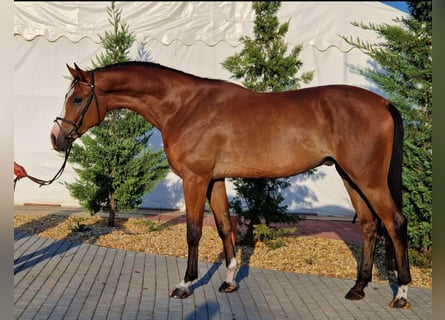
(60, 279)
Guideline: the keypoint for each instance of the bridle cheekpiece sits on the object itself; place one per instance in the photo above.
(78, 123)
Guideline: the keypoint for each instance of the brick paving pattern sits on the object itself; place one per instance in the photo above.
(60, 279)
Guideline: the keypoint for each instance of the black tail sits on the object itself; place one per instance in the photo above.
(395, 179)
(395, 167)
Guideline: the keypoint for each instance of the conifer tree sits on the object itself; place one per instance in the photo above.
(404, 74)
(115, 165)
(265, 64)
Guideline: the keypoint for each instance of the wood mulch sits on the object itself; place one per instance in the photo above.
(317, 247)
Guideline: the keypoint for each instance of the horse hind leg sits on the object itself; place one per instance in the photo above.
(217, 197)
(397, 229)
(368, 227)
(381, 202)
(396, 226)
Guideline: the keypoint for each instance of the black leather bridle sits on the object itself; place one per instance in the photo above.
(78, 123)
(75, 130)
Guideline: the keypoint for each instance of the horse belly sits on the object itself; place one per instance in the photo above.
(284, 147)
(272, 161)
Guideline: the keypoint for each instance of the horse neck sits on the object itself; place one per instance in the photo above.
(157, 95)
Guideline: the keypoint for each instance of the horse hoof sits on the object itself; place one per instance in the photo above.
(400, 303)
(228, 287)
(355, 295)
(179, 293)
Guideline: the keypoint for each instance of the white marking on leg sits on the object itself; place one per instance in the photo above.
(402, 292)
(183, 285)
(231, 271)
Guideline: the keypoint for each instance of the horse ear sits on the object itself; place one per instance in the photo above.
(72, 71)
(81, 75)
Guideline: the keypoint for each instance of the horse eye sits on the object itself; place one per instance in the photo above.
(77, 100)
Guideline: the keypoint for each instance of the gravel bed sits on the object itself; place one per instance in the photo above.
(299, 254)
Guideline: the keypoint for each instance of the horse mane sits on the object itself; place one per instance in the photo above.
(160, 67)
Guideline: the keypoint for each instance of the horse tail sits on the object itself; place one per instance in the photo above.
(395, 179)
(395, 167)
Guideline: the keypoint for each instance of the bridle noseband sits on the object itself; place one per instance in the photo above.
(78, 123)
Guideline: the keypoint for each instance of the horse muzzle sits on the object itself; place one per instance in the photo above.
(59, 140)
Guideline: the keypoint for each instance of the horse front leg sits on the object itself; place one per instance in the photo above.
(217, 197)
(194, 196)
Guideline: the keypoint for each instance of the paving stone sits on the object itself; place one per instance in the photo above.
(66, 280)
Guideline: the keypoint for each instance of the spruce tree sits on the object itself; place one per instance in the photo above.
(265, 64)
(404, 74)
(115, 165)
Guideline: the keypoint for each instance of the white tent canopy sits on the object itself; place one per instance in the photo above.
(194, 37)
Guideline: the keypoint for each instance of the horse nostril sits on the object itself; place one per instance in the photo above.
(55, 132)
(54, 142)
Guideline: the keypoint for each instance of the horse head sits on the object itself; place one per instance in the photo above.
(78, 113)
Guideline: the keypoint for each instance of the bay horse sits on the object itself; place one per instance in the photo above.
(214, 129)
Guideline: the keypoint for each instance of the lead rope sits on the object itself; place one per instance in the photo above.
(56, 176)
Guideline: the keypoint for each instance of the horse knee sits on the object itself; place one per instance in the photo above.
(194, 234)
